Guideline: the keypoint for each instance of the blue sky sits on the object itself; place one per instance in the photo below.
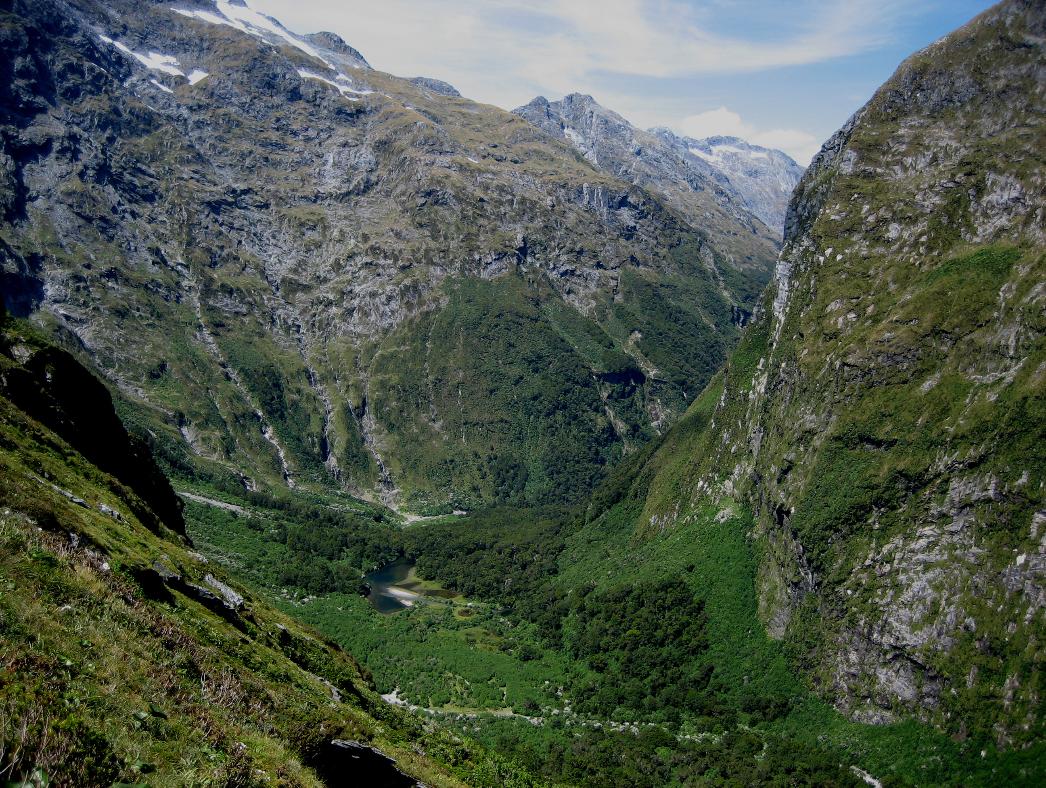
(781, 74)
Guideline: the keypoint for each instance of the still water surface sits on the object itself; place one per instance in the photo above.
(396, 587)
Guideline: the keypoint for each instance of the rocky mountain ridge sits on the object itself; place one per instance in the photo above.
(765, 177)
(271, 250)
(717, 174)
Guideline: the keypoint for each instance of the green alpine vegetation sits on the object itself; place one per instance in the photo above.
(352, 432)
(880, 426)
(127, 657)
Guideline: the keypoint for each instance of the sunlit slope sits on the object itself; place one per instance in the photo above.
(284, 265)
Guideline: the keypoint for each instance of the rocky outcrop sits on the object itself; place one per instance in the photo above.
(437, 86)
(345, 761)
(55, 389)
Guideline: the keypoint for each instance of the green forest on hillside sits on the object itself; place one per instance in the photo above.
(644, 660)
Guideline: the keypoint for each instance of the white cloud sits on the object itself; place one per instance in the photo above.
(505, 50)
(800, 145)
(661, 38)
(714, 121)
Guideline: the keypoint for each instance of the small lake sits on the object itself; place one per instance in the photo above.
(396, 587)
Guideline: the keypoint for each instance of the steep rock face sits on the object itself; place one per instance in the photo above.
(883, 417)
(714, 181)
(49, 385)
(266, 245)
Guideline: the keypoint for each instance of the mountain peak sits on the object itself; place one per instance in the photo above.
(335, 43)
(323, 46)
(741, 177)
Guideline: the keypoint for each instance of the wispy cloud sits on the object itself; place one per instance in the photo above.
(559, 46)
(505, 52)
(659, 38)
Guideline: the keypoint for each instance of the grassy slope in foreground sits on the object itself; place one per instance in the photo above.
(119, 660)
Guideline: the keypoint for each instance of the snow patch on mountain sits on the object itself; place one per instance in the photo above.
(579, 142)
(719, 152)
(254, 23)
(154, 61)
(764, 177)
(341, 83)
(345, 86)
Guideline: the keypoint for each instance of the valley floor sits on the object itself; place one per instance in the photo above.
(486, 667)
